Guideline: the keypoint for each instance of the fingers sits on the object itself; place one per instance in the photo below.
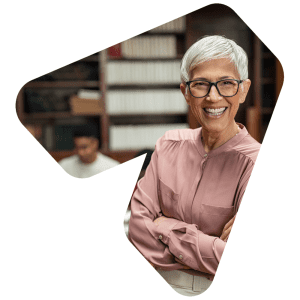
(229, 223)
(159, 220)
(227, 229)
(225, 234)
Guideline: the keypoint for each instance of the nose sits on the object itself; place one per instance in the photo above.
(213, 95)
(80, 152)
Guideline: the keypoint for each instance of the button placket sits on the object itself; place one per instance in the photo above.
(204, 161)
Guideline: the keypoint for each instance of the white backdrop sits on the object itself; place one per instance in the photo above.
(62, 237)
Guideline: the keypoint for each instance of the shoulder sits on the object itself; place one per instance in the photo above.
(181, 134)
(107, 160)
(176, 141)
(68, 160)
(178, 136)
(248, 147)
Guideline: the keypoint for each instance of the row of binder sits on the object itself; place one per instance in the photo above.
(143, 72)
(149, 47)
(164, 101)
(177, 25)
(132, 137)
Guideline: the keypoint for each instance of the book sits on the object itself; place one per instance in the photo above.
(143, 72)
(160, 101)
(135, 137)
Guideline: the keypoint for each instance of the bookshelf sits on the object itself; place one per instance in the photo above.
(138, 86)
(142, 79)
(47, 103)
(137, 82)
(267, 83)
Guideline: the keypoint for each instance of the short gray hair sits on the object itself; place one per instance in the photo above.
(214, 47)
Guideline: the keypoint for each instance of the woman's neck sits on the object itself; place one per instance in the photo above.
(213, 140)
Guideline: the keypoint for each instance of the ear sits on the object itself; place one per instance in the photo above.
(95, 143)
(246, 86)
(185, 95)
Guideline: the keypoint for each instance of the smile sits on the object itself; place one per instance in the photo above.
(214, 112)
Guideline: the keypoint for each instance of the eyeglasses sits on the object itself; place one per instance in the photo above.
(226, 87)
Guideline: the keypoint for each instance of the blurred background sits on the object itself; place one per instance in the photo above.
(129, 94)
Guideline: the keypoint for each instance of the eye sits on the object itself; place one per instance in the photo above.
(199, 84)
(227, 82)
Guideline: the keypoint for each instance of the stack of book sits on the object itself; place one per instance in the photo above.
(149, 47)
(143, 72)
(161, 101)
(131, 137)
(177, 25)
(143, 78)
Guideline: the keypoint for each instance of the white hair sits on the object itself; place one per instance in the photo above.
(214, 47)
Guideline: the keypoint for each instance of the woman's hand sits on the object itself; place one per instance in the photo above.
(227, 229)
(159, 220)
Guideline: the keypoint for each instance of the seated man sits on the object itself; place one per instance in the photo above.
(87, 161)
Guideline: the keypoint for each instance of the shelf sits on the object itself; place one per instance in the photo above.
(148, 119)
(267, 110)
(267, 55)
(268, 80)
(144, 86)
(56, 115)
(164, 33)
(178, 57)
(121, 156)
(90, 58)
(62, 84)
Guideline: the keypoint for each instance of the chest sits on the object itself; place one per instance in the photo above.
(199, 191)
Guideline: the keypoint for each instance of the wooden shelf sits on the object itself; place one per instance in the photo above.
(268, 80)
(164, 33)
(178, 57)
(98, 60)
(120, 156)
(267, 55)
(154, 86)
(93, 58)
(62, 84)
(55, 115)
(267, 110)
(147, 119)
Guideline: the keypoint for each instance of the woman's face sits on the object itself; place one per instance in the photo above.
(215, 70)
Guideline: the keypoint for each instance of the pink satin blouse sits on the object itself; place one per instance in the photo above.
(198, 192)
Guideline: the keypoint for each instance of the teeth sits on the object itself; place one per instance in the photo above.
(217, 110)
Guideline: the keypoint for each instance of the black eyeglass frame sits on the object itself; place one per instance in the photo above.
(215, 84)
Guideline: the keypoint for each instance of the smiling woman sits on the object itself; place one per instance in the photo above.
(184, 207)
(214, 97)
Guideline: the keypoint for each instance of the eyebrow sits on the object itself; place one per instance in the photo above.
(221, 78)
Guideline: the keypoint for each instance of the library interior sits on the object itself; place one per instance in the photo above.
(129, 94)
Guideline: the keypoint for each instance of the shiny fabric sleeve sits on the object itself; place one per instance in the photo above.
(191, 246)
(142, 230)
(170, 244)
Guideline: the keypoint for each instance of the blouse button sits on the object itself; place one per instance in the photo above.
(180, 256)
(205, 155)
(160, 237)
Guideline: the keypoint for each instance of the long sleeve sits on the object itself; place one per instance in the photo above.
(171, 243)
(196, 192)
(191, 246)
(142, 230)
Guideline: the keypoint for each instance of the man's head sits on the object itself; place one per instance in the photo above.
(86, 145)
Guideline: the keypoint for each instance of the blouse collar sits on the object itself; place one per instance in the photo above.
(223, 148)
